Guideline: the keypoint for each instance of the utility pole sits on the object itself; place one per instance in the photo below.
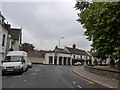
(59, 41)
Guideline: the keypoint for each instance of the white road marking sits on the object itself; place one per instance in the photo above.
(74, 82)
(79, 86)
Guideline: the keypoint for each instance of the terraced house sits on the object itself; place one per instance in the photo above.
(67, 56)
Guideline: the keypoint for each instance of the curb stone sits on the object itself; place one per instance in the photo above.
(97, 82)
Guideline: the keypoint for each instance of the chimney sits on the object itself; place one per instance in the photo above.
(74, 46)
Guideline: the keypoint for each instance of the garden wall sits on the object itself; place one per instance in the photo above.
(104, 72)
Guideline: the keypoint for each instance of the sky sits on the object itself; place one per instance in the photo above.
(44, 23)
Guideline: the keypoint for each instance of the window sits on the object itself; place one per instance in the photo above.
(81, 57)
(14, 58)
(73, 56)
(3, 41)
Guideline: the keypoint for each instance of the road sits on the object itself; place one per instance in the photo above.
(47, 76)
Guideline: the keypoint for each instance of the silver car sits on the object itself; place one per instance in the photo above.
(29, 64)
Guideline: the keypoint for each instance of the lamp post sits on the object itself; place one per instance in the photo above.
(59, 41)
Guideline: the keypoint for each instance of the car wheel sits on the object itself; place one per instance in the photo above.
(21, 72)
(27, 69)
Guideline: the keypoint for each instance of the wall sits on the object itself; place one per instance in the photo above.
(15, 45)
(0, 43)
(103, 72)
(3, 48)
(53, 54)
(36, 59)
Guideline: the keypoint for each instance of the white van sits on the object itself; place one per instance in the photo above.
(16, 61)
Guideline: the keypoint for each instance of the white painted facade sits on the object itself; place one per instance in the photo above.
(59, 58)
(3, 31)
(58, 55)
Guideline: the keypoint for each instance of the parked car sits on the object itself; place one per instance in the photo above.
(29, 64)
(77, 63)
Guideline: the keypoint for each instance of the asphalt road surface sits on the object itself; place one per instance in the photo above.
(47, 76)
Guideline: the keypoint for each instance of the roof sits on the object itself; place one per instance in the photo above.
(60, 50)
(2, 15)
(17, 53)
(77, 51)
(15, 33)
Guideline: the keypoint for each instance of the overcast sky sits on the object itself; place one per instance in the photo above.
(44, 23)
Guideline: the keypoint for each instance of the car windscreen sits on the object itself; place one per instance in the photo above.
(13, 59)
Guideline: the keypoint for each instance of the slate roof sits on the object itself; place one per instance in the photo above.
(15, 33)
(77, 51)
(60, 50)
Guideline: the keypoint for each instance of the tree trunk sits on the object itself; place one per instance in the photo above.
(118, 64)
(112, 63)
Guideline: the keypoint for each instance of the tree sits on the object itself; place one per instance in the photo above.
(102, 23)
(118, 64)
(112, 63)
(27, 47)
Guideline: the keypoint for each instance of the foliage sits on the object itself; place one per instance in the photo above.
(27, 47)
(102, 23)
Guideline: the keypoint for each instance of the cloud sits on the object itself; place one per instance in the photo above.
(44, 23)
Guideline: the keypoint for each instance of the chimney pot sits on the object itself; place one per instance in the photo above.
(74, 46)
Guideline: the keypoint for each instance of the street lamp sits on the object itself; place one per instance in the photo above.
(59, 41)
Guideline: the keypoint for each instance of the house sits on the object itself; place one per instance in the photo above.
(10, 38)
(16, 38)
(67, 56)
(4, 37)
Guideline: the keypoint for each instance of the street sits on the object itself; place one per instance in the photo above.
(47, 76)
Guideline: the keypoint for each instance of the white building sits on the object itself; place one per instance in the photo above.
(10, 38)
(16, 38)
(67, 56)
(4, 36)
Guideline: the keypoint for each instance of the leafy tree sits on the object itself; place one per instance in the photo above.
(102, 23)
(27, 47)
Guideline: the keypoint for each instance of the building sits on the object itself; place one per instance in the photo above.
(16, 38)
(4, 37)
(10, 38)
(67, 56)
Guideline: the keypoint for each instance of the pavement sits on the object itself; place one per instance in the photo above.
(101, 80)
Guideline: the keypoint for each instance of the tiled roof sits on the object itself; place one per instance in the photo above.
(77, 51)
(60, 50)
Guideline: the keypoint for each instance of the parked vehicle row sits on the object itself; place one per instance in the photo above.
(16, 61)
